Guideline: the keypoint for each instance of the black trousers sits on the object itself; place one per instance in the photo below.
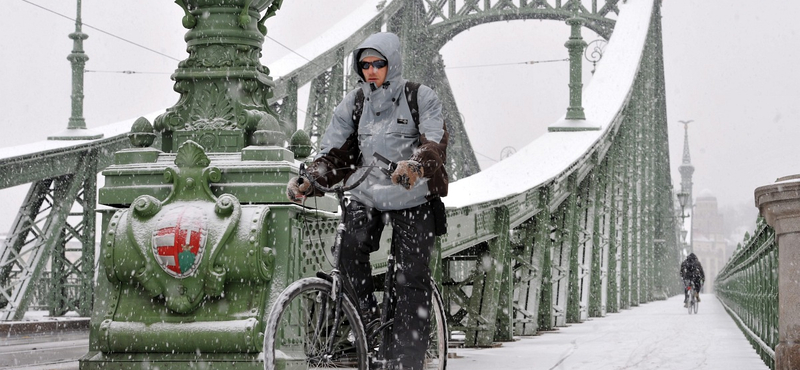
(412, 239)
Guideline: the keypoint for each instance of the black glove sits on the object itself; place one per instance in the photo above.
(407, 173)
(298, 188)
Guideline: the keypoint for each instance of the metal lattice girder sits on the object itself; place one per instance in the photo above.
(562, 253)
(571, 227)
(286, 108)
(457, 293)
(452, 16)
(486, 288)
(36, 233)
(545, 242)
(615, 181)
(625, 232)
(327, 90)
(600, 242)
(528, 282)
(586, 224)
(72, 266)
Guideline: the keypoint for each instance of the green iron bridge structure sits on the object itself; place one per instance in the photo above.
(588, 228)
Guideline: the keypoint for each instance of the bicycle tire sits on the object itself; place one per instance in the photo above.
(309, 325)
(436, 355)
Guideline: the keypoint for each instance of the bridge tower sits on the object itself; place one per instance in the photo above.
(687, 170)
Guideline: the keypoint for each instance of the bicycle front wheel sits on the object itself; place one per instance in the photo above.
(436, 355)
(305, 328)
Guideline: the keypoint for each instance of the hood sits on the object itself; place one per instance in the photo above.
(389, 45)
(383, 97)
(691, 257)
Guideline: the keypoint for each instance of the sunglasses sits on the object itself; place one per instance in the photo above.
(378, 64)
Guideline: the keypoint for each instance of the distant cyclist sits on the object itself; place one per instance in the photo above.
(692, 273)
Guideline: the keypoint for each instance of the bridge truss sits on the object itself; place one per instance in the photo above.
(597, 236)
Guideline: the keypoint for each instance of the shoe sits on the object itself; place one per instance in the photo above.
(698, 298)
(376, 364)
(685, 305)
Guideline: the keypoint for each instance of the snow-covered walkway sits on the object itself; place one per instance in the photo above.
(656, 335)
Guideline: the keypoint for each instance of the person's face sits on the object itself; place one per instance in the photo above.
(372, 74)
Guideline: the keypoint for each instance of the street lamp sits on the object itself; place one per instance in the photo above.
(683, 197)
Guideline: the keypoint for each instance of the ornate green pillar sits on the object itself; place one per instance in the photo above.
(223, 86)
(76, 128)
(575, 45)
(203, 237)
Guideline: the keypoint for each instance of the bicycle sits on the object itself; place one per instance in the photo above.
(316, 320)
(692, 304)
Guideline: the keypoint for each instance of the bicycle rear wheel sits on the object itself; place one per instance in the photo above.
(301, 329)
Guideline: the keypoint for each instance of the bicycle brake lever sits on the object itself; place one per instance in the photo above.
(392, 165)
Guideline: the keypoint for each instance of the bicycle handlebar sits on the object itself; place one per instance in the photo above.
(337, 188)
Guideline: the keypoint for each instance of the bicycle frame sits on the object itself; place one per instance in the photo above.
(335, 274)
(340, 286)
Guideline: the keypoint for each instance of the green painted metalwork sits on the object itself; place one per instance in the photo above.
(571, 226)
(76, 128)
(599, 253)
(544, 241)
(581, 294)
(42, 229)
(224, 88)
(565, 249)
(487, 286)
(528, 281)
(747, 286)
(575, 45)
(425, 27)
(612, 296)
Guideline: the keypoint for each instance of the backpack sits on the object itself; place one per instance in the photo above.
(411, 90)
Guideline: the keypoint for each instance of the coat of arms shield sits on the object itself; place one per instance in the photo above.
(179, 240)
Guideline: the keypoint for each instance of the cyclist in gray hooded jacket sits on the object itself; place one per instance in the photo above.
(405, 199)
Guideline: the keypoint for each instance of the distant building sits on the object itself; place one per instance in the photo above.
(708, 237)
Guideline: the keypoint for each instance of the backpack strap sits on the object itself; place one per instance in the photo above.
(359, 107)
(411, 90)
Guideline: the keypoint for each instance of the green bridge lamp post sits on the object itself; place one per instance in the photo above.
(76, 129)
(683, 197)
(575, 119)
(575, 45)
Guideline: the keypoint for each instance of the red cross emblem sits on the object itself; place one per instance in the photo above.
(179, 241)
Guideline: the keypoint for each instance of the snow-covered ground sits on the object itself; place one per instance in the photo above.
(656, 335)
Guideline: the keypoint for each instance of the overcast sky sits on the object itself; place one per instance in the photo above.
(730, 67)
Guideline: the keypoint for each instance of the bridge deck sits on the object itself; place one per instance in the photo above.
(656, 335)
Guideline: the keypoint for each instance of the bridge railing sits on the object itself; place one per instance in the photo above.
(747, 286)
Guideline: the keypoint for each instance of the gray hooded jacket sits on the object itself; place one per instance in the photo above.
(386, 127)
